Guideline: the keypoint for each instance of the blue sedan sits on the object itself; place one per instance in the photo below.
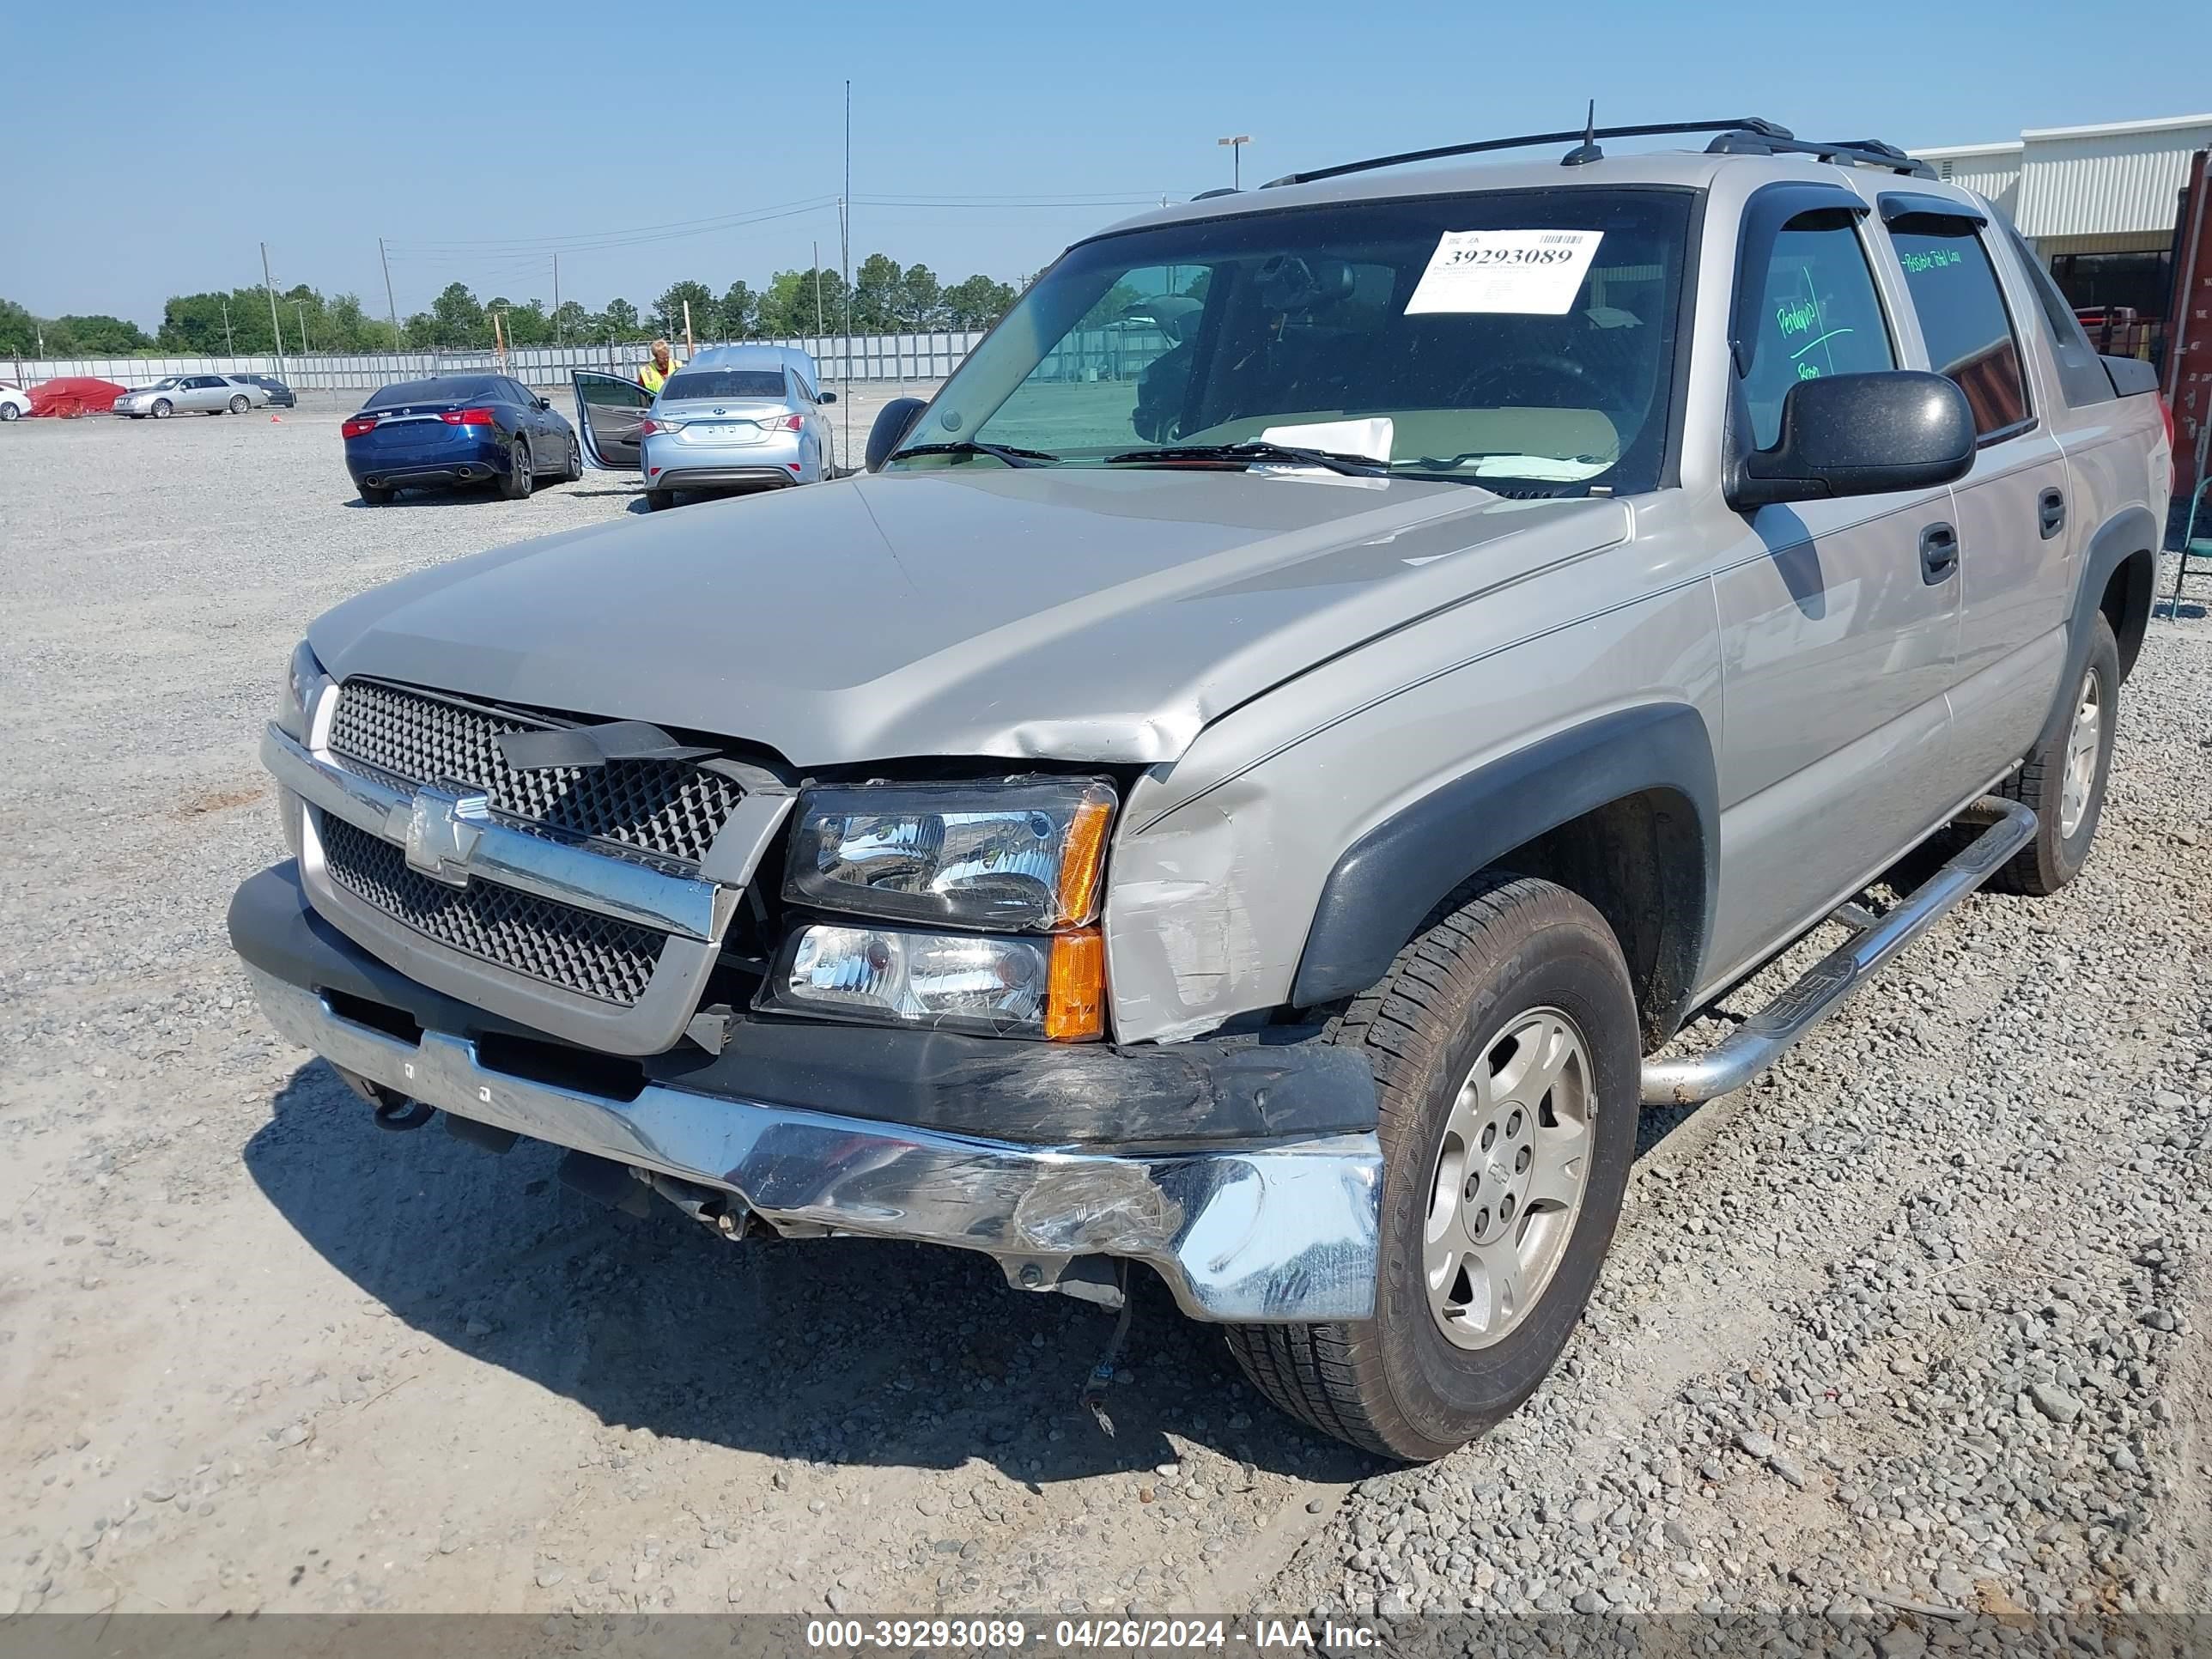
(458, 429)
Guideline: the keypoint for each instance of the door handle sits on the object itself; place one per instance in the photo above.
(1939, 553)
(2050, 509)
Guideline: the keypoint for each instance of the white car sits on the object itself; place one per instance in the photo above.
(15, 402)
(203, 394)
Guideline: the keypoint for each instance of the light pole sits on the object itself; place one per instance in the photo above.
(301, 306)
(1236, 158)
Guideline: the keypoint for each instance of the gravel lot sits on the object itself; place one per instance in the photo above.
(1918, 1322)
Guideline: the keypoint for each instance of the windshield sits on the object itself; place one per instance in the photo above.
(1520, 339)
(169, 385)
(453, 389)
(724, 383)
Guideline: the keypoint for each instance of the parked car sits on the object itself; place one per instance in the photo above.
(734, 417)
(280, 395)
(1260, 810)
(15, 402)
(458, 429)
(190, 394)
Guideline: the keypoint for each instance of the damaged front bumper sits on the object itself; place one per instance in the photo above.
(1262, 1228)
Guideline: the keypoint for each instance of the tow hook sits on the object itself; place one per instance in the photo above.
(401, 1116)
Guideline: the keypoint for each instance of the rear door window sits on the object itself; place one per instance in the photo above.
(1818, 314)
(1963, 318)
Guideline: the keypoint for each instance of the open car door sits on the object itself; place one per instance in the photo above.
(608, 411)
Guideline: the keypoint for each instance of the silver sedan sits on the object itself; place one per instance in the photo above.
(195, 394)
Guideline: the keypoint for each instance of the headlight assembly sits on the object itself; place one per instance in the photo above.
(304, 680)
(1026, 855)
(1045, 988)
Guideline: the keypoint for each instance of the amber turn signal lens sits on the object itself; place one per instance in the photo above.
(1075, 1004)
(1083, 860)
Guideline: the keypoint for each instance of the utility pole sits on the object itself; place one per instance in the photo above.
(229, 346)
(845, 260)
(814, 259)
(275, 327)
(390, 303)
(301, 307)
(556, 299)
(1236, 158)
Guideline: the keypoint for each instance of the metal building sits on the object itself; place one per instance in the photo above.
(2099, 203)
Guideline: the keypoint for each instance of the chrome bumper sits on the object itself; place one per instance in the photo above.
(1269, 1233)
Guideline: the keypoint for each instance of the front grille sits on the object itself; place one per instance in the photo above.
(594, 955)
(670, 808)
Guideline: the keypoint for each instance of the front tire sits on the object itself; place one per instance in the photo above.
(8, 412)
(1506, 1053)
(163, 408)
(519, 481)
(2063, 778)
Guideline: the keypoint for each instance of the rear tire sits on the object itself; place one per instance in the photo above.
(1440, 1362)
(573, 472)
(658, 501)
(518, 480)
(2063, 778)
(376, 495)
(240, 403)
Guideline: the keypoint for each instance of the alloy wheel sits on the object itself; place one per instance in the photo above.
(1509, 1178)
(2084, 741)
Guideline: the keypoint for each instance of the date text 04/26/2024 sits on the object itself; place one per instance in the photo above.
(1088, 1635)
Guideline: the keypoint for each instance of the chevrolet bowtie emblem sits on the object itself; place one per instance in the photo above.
(442, 831)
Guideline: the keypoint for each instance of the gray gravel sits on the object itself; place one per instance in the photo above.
(1918, 1322)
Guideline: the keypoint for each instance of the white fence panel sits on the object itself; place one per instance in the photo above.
(923, 356)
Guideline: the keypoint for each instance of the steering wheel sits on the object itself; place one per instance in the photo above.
(1562, 372)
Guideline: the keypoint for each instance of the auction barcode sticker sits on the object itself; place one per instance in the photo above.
(1533, 271)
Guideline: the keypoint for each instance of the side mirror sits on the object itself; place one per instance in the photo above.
(825, 397)
(892, 424)
(544, 402)
(1861, 434)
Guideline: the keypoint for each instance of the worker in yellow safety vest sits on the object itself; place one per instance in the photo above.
(658, 368)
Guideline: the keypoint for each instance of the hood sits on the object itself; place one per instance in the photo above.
(1085, 615)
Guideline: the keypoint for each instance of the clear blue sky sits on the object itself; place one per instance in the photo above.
(522, 126)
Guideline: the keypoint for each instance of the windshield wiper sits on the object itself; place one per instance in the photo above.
(1258, 451)
(1005, 453)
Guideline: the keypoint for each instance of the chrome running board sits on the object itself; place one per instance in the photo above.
(1761, 1040)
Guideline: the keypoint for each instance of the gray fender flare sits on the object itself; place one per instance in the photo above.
(2130, 532)
(1390, 880)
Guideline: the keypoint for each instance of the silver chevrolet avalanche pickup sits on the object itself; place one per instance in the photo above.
(1257, 773)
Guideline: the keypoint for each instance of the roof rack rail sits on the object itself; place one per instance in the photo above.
(1748, 124)
(1859, 152)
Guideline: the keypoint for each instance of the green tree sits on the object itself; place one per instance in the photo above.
(19, 330)
(977, 302)
(740, 312)
(527, 324)
(570, 321)
(876, 295)
(457, 319)
(668, 311)
(97, 335)
(619, 321)
(790, 307)
(352, 329)
(921, 299)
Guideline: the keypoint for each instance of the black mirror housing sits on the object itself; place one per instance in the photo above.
(1861, 434)
(826, 398)
(895, 420)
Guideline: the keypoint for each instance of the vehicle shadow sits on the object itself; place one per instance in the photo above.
(848, 1350)
(470, 494)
